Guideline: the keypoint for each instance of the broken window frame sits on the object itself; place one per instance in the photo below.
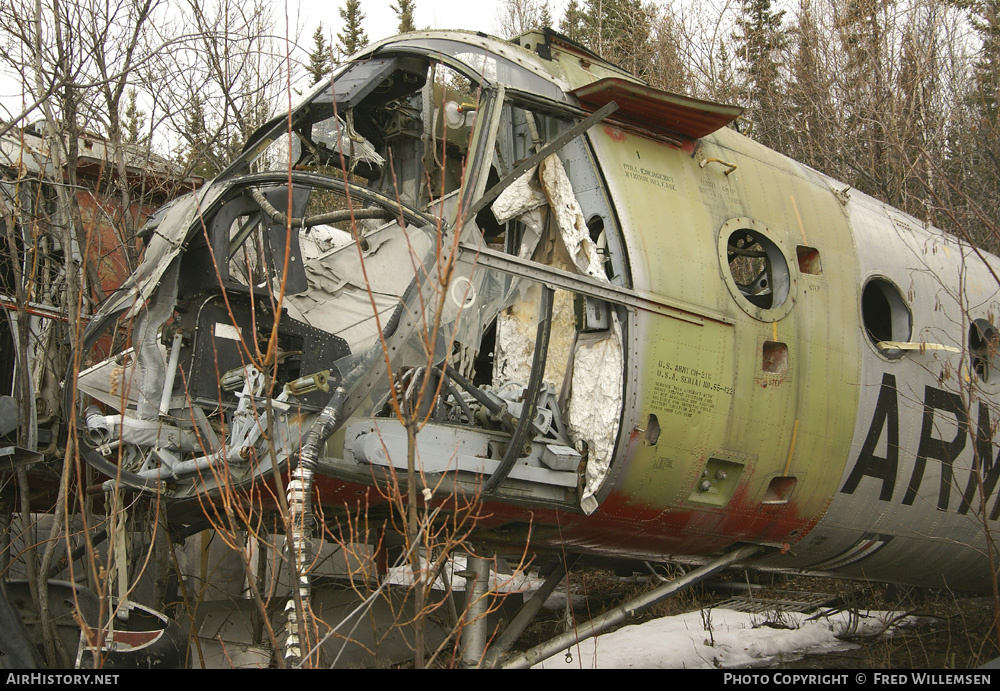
(770, 294)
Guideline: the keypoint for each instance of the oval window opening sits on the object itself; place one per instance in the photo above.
(984, 348)
(758, 268)
(886, 316)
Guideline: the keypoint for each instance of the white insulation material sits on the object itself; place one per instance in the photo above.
(569, 218)
(595, 406)
(515, 345)
(524, 200)
(586, 368)
(523, 195)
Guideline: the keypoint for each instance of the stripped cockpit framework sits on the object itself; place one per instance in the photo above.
(315, 263)
(425, 241)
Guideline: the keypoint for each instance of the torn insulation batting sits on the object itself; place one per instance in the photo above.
(586, 367)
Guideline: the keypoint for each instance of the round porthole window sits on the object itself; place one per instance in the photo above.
(885, 315)
(756, 269)
(984, 351)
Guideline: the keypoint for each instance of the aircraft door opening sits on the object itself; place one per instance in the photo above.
(539, 371)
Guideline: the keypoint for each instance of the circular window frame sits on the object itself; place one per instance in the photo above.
(775, 251)
(899, 309)
(991, 382)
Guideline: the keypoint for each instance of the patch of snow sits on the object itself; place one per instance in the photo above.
(716, 639)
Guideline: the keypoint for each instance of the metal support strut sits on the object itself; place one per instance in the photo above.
(474, 635)
(628, 610)
(528, 611)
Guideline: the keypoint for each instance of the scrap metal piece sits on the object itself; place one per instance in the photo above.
(14, 457)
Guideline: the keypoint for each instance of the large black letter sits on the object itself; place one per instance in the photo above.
(983, 464)
(938, 449)
(884, 469)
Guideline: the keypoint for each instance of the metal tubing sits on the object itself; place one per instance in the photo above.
(168, 380)
(278, 218)
(98, 426)
(299, 496)
(474, 632)
(628, 610)
(300, 511)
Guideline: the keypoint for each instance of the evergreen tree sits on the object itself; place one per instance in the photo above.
(810, 109)
(620, 31)
(515, 17)
(916, 113)
(759, 41)
(723, 87)
(865, 94)
(353, 38)
(321, 58)
(668, 69)
(201, 159)
(574, 22)
(609, 23)
(981, 174)
(986, 21)
(545, 15)
(134, 121)
(404, 9)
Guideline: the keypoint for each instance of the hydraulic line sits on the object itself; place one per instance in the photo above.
(279, 218)
(299, 495)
